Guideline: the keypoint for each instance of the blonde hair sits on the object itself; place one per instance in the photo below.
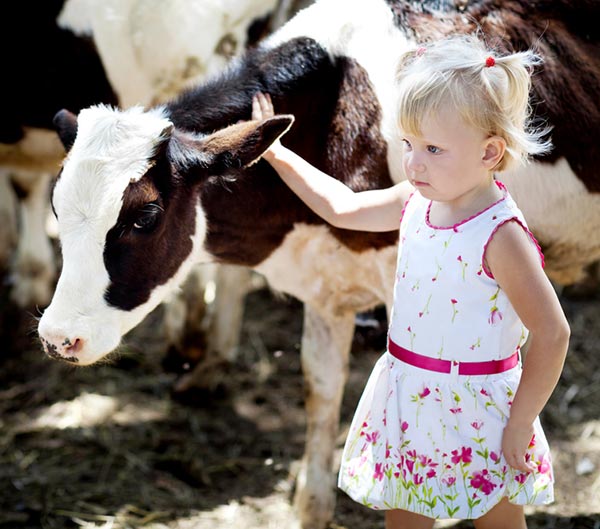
(490, 92)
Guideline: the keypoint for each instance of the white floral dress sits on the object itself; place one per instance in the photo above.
(430, 442)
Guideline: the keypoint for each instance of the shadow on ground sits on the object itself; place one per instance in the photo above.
(110, 447)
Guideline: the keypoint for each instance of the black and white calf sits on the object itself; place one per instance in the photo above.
(143, 195)
(76, 53)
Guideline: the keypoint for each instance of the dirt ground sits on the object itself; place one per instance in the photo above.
(110, 447)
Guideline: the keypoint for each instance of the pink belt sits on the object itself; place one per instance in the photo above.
(489, 367)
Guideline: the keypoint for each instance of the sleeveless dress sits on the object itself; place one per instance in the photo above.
(430, 442)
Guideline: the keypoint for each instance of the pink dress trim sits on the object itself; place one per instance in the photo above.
(454, 227)
(406, 205)
(487, 271)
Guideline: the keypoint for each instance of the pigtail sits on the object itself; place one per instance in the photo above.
(508, 82)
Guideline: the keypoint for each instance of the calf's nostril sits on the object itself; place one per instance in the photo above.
(73, 347)
(65, 350)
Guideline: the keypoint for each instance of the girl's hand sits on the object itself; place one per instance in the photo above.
(262, 108)
(515, 441)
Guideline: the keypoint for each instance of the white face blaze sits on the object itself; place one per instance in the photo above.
(112, 150)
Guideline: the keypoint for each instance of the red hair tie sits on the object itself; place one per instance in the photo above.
(490, 61)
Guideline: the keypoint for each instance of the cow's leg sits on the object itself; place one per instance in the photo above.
(326, 344)
(34, 267)
(207, 330)
(8, 220)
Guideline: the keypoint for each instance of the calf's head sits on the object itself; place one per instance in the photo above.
(130, 221)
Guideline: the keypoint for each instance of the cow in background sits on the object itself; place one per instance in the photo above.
(59, 69)
(167, 187)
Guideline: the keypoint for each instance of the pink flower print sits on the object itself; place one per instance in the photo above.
(424, 393)
(431, 473)
(410, 464)
(484, 393)
(362, 428)
(418, 479)
(465, 456)
(454, 309)
(424, 460)
(521, 478)
(483, 482)
(494, 457)
(404, 426)
(426, 307)
(532, 442)
(437, 273)
(475, 345)
(455, 410)
(463, 266)
(412, 337)
(477, 425)
(495, 316)
(544, 467)
(449, 481)
(378, 474)
(372, 437)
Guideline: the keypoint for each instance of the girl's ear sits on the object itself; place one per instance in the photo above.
(494, 149)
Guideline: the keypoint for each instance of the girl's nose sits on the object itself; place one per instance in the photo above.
(415, 164)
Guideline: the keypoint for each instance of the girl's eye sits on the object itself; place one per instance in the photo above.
(433, 149)
(407, 144)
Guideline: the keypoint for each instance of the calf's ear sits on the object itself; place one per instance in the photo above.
(242, 144)
(247, 141)
(65, 124)
(233, 147)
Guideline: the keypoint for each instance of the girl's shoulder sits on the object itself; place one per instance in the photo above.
(509, 231)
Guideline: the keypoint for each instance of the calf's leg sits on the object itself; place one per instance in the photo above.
(34, 268)
(326, 343)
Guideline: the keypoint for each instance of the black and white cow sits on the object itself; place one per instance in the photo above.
(143, 195)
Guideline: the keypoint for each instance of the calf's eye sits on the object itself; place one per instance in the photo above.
(148, 218)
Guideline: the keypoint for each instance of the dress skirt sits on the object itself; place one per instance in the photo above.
(430, 443)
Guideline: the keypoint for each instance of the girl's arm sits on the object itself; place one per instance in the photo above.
(515, 264)
(373, 210)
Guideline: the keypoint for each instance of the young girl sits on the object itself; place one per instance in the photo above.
(447, 426)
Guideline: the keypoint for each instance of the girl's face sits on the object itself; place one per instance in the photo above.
(450, 161)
